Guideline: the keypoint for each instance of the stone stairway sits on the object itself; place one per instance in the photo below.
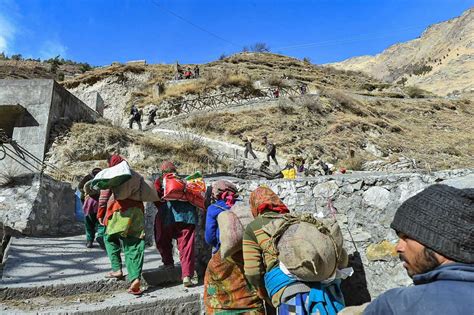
(61, 275)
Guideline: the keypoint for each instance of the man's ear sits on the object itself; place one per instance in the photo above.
(442, 260)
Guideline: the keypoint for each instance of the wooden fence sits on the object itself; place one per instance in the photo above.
(231, 98)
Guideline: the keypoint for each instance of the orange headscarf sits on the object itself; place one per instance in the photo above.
(264, 199)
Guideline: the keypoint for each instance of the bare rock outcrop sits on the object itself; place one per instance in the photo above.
(440, 61)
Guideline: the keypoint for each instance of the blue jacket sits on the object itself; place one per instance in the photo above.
(211, 233)
(178, 211)
(449, 289)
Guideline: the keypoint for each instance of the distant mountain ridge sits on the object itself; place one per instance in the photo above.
(441, 60)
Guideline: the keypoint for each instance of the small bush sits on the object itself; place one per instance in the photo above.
(415, 92)
(346, 102)
(260, 47)
(354, 163)
(276, 81)
(9, 177)
(312, 105)
(285, 109)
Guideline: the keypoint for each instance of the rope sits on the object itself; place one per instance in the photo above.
(333, 211)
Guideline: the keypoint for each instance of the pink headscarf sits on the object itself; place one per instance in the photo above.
(225, 190)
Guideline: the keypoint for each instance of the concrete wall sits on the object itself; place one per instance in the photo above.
(45, 102)
(38, 206)
(66, 105)
(366, 204)
(31, 129)
(94, 101)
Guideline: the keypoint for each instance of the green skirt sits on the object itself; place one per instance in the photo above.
(130, 222)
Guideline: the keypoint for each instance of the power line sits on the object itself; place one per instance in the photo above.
(361, 37)
(193, 24)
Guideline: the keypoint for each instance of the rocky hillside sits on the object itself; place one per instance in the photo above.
(435, 132)
(33, 69)
(344, 111)
(76, 149)
(122, 85)
(441, 60)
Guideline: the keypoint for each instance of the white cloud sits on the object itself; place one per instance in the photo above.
(51, 49)
(7, 33)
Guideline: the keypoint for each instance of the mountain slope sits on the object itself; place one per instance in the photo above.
(440, 61)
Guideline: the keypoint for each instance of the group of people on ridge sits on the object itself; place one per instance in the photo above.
(186, 73)
(436, 246)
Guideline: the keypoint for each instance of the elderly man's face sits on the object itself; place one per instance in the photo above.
(417, 259)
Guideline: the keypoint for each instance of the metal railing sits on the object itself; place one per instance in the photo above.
(19, 154)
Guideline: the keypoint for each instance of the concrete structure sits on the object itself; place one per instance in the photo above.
(37, 205)
(34, 204)
(28, 110)
(94, 101)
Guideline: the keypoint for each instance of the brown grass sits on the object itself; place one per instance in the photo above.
(91, 77)
(404, 127)
(88, 145)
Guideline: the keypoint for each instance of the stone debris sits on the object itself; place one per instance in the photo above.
(388, 165)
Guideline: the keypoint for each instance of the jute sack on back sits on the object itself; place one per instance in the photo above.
(232, 224)
(136, 188)
(310, 248)
(112, 176)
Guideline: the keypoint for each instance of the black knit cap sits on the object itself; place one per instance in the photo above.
(440, 217)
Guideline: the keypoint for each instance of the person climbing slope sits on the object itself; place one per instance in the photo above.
(125, 229)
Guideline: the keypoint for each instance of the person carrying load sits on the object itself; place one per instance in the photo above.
(121, 211)
(176, 219)
(273, 258)
(225, 288)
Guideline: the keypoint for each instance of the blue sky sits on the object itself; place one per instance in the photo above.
(103, 31)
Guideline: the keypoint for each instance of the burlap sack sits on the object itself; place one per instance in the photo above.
(232, 224)
(112, 176)
(305, 251)
(136, 188)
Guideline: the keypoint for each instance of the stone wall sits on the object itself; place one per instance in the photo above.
(38, 206)
(366, 204)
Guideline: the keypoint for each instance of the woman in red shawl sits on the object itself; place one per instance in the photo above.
(265, 206)
(125, 229)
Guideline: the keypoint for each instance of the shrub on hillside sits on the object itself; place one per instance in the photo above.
(285, 108)
(311, 105)
(276, 81)
(260, 47)
(345, 102)
(415, 92)
(353, 163)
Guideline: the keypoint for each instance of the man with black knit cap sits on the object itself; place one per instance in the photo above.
(436, 231)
